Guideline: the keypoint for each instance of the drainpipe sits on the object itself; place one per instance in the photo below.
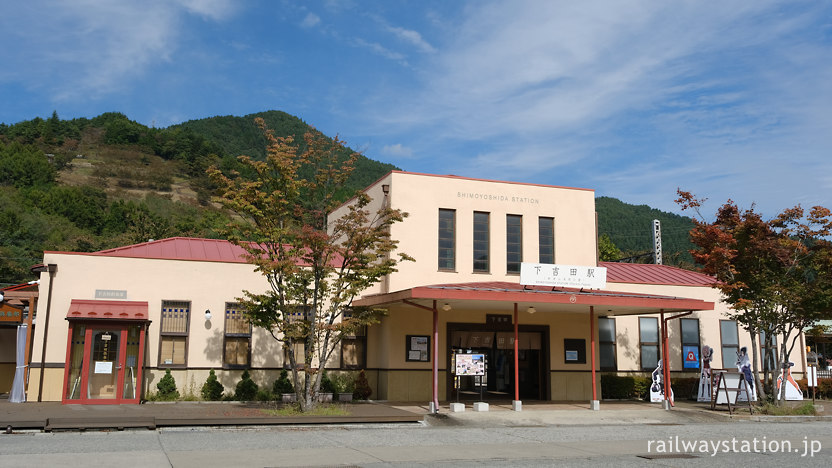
(51, 268)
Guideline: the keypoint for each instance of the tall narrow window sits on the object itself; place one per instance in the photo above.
(514, 243)
(237, 344)
(648, 336)
(606, 343)
(690, 343)
(173, 333)
(546, 238)
(353, 350)
(730, 343)
(481, 241)
(447, 240)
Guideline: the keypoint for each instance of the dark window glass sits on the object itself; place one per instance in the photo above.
(546, 234)
(606, 342)
(447, 239)
(730, 343)
(514, 243)
(481, 238)
(648, 333)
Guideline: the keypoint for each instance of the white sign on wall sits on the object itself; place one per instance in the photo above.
(565, 276)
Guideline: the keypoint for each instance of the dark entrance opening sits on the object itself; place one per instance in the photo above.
(496, 343)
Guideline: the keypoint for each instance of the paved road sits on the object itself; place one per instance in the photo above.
(425, 445)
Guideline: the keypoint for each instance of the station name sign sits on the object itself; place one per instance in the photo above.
(564, 276)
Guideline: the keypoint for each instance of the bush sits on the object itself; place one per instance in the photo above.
(167, 388)
(362, 387)
(212, 389)
(265, 395)
(283, 384)
(246, 388)
(326, 385)
(344, 384)
(685, 388)
(624, 387)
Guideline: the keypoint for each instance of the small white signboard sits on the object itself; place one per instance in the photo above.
(103, 367)
(565, 276)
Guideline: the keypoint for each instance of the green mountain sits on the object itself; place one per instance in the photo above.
(91, 184)
(630, 227)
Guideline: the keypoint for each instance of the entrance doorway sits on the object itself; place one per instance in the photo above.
(104, 363)
(497, 346)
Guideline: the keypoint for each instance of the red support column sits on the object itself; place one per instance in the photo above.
(516, 356)
(435, 369)
(592, 353)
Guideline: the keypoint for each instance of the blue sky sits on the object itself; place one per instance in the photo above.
(728, 99)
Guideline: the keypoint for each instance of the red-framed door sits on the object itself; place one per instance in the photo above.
(104, 362)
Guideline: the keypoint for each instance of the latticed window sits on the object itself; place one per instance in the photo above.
(237, 343)
(546, 234)
(447, 239)
(481, 242)
(514, 243)
(173, 331)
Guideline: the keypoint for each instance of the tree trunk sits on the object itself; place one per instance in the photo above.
(761, 393)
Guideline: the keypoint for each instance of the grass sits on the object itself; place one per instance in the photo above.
(805, 409)
(320, 410)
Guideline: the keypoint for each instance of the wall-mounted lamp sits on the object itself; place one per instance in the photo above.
(531, 310)
(446, 307)
(207, 314)
(386, 189)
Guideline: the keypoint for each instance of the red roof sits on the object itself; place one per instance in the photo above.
(654, 274)
(181, 248)
(119, 310)
(505, 292)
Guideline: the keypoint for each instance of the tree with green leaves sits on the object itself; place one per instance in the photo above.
(315, 266)
(607, 250)
(774, 274)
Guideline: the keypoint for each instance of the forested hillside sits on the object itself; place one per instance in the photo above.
(91, 184)
(630, 227)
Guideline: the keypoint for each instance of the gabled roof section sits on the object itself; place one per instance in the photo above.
(181, 248)
(655, 274)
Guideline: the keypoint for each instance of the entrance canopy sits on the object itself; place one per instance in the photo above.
(496, 295)
(113, 310)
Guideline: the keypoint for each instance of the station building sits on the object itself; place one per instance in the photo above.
(114, 321)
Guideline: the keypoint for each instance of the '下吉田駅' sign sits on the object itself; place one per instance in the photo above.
(565, 276)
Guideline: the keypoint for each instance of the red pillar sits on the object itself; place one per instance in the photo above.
(516, 357)
(592, 350)
(665, 360)
(435, 369)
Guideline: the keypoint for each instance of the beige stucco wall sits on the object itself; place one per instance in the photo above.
(422, 195)
(627, 331)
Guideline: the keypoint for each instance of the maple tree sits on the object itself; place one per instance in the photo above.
(775, 274)
(315, 266)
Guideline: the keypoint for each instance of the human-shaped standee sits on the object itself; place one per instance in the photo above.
(744, 366)
(705, 390)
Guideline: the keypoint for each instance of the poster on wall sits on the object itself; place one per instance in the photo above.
(417, 348)
(470, 364)
(574, 350)
(691, 354)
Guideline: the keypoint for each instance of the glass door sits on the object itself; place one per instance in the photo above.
(105, 367)
(104, 363)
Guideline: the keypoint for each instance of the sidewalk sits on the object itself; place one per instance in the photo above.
(50, 416)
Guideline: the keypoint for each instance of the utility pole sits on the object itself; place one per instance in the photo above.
(657, 242)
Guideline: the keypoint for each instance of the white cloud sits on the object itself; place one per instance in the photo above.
(413, 37)
(311, 20)
(216, 10)
(397, 151)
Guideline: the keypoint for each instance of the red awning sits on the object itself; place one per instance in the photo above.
(114, 310)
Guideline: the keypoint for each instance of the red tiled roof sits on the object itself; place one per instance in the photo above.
(181, 248)
(119, 310)
(654, 274)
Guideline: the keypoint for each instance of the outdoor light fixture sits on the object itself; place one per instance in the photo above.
(446, 307)
(207, 314)
(531, 310)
